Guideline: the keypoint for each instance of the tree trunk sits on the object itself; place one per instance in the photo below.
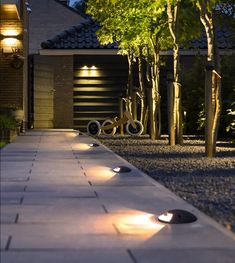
(175, 128)
(156, 98)
(142, 86)
(171, 109)
(150, 101)
(212, 82)
(121, 115)
(131, 91)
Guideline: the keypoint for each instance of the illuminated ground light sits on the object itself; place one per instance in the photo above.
(94, 145)
(121, 169)
(177, 216)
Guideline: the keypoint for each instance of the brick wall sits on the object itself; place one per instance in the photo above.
(11, 83)
(11, 79)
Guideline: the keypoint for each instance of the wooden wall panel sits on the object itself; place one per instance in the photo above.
(99, 82)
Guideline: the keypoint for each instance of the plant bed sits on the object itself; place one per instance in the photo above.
(9, 128)
(206, 183)
(7, 135)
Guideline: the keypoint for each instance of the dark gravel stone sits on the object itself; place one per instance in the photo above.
(206, 183)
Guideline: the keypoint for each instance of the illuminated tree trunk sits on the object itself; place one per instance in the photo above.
(153, 92)
(142, 86)
(131, 91)
(175, 121)
(212, 82)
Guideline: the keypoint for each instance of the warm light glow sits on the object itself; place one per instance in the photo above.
(81, 147)
(100, 172)
(10, 10)
(166, 217)
(72, 134)
(10, 42)
(88, 72)
(9, 32)
(140, 223)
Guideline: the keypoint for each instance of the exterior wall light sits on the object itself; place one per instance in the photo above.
(94, 145)
(10, 44)
(121, 169)
(177, 216)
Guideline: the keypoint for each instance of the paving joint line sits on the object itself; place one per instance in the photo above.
(105, 209)
(17, 218)
(21, 200)
(131, 256)
(116, 229)
(8, 243)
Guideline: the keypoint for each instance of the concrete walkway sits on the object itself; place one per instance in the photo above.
(62, 203)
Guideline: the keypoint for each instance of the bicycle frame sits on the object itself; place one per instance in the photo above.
(127, 117)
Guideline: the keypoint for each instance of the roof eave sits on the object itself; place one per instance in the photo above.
(71, 52)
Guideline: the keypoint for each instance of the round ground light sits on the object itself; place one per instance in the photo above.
(94, 145)
(121, 169)
(177, 216)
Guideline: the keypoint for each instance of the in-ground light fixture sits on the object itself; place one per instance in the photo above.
(94, 145)
(177, 216)
(121, 169)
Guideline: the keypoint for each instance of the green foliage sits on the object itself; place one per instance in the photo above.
(231, 119)
(8, 122)
(2, 144)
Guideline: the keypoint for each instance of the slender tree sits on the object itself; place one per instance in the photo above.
(212, 77)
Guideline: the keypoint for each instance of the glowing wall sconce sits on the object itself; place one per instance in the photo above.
(177, 216)
(9, 44)
(121, 169)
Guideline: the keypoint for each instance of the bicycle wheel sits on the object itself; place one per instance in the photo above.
(135, 131)
(93, 128)
(111, 131)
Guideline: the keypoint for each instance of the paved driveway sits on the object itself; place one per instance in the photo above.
(62, 203)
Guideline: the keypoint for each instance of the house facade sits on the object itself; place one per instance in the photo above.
(83, 80)
(14, 57)
(75, 79)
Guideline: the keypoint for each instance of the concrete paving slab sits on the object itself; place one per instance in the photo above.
(12, 187)
(83, 205)
(4, 240)
(72, 206)
(7, 217)
(12, 178)
(73, 256)
(192, 255)
(41, 184)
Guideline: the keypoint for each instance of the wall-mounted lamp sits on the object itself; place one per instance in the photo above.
(89, 67)
(10, 44)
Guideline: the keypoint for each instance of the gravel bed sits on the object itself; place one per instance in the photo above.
(206, 183)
